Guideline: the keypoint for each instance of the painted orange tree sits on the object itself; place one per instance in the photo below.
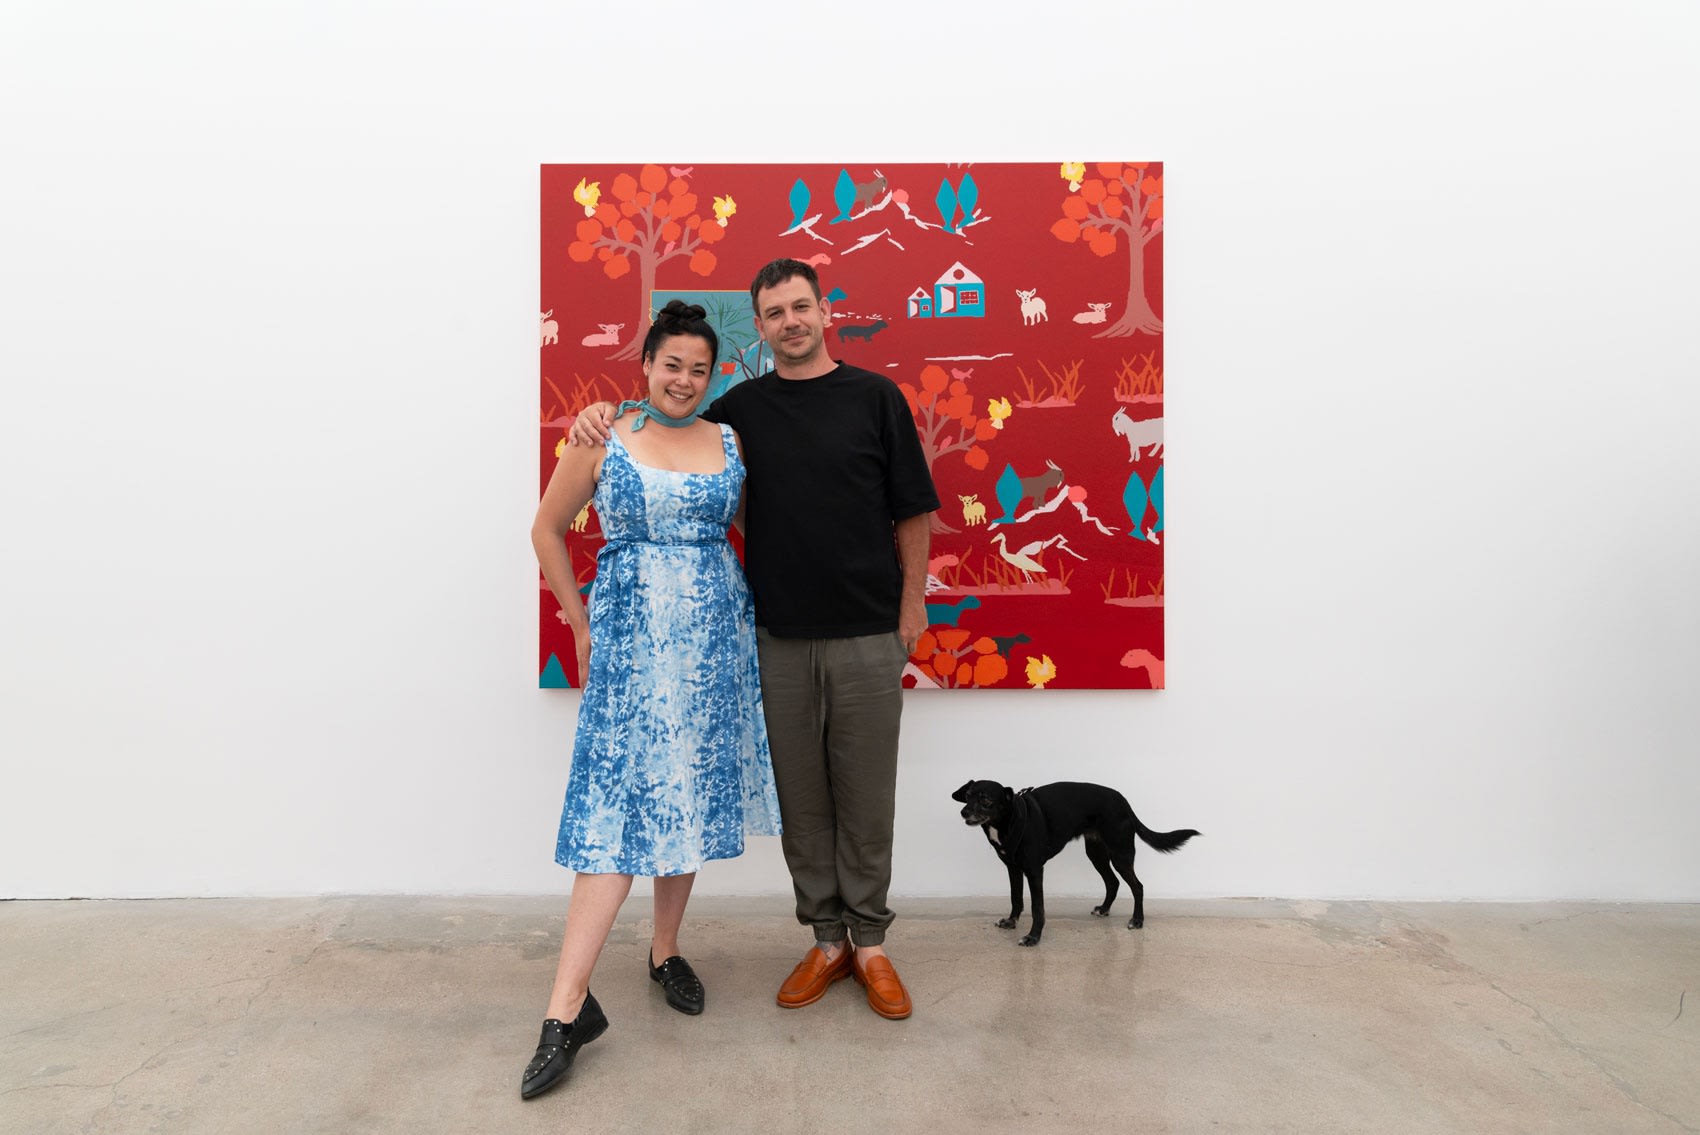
(1122, 203)
(942, 404)
(653, 218)
(954, 657)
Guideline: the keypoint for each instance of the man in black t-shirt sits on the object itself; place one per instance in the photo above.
(836, 527)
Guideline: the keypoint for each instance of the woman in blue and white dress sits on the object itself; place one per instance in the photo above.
(670, 762)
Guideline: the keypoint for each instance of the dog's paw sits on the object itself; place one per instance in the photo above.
(1030, 940)
(1102, 911)
(1006, 924)
(1135, 922)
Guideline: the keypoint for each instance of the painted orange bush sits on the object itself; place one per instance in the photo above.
(953, 657)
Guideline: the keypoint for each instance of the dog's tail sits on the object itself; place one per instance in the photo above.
(1163, 841)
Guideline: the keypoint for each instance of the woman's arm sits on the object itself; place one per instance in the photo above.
(570, 488)
(743, 490)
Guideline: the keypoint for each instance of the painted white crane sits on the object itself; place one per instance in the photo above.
(1023, 557)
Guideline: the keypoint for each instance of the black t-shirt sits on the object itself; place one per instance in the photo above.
(833, 463)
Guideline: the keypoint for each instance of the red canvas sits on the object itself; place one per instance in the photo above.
(1018, 307)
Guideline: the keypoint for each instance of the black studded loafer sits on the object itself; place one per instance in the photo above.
(558, 1045)
(679, 981)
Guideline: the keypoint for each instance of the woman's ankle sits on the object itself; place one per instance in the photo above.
(566, 1008)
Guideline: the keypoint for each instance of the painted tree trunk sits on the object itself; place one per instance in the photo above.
(937, 524)
(646, 291)
(1137, 315)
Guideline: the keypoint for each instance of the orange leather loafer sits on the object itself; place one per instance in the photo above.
(809, 981)
(886, 995)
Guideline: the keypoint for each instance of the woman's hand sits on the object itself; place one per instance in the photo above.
(581, 644)
(593, 424)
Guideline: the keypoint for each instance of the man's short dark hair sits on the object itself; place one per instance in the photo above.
(776, 272)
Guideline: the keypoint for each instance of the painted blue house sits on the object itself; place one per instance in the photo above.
(920, 304)
(959, 293)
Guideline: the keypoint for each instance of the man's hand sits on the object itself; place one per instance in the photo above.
(593, 424)
(913, 535)
(911, 621)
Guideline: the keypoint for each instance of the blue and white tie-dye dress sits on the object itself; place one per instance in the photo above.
(670, 763)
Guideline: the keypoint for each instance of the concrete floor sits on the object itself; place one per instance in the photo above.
(417, 1015)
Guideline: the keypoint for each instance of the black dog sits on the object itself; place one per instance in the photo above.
(867, 332)
(1029, 827)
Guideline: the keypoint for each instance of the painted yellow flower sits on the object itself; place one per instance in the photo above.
(588, 195)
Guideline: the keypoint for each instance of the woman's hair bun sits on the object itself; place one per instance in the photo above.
(681, 311)
(680, 318)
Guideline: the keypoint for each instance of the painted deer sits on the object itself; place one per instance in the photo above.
(1032, 307)
(551, 329)
(610, 336)
(1096, 315)
(973, 512)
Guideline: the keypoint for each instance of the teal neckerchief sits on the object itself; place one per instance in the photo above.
(648, 413)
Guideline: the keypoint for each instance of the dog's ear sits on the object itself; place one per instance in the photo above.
(962, 793)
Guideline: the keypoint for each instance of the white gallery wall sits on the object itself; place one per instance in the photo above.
(268, 295)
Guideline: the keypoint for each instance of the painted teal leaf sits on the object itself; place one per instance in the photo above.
(843, 195)
(554, 676)
(1135, 499)
(968, 196)
(947, 204)
(1008, 494)
(1157, 498)
(799, 202)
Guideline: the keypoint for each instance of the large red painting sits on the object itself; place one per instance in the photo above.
(1017, 306)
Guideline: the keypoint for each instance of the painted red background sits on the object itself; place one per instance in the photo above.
(1072, 625)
